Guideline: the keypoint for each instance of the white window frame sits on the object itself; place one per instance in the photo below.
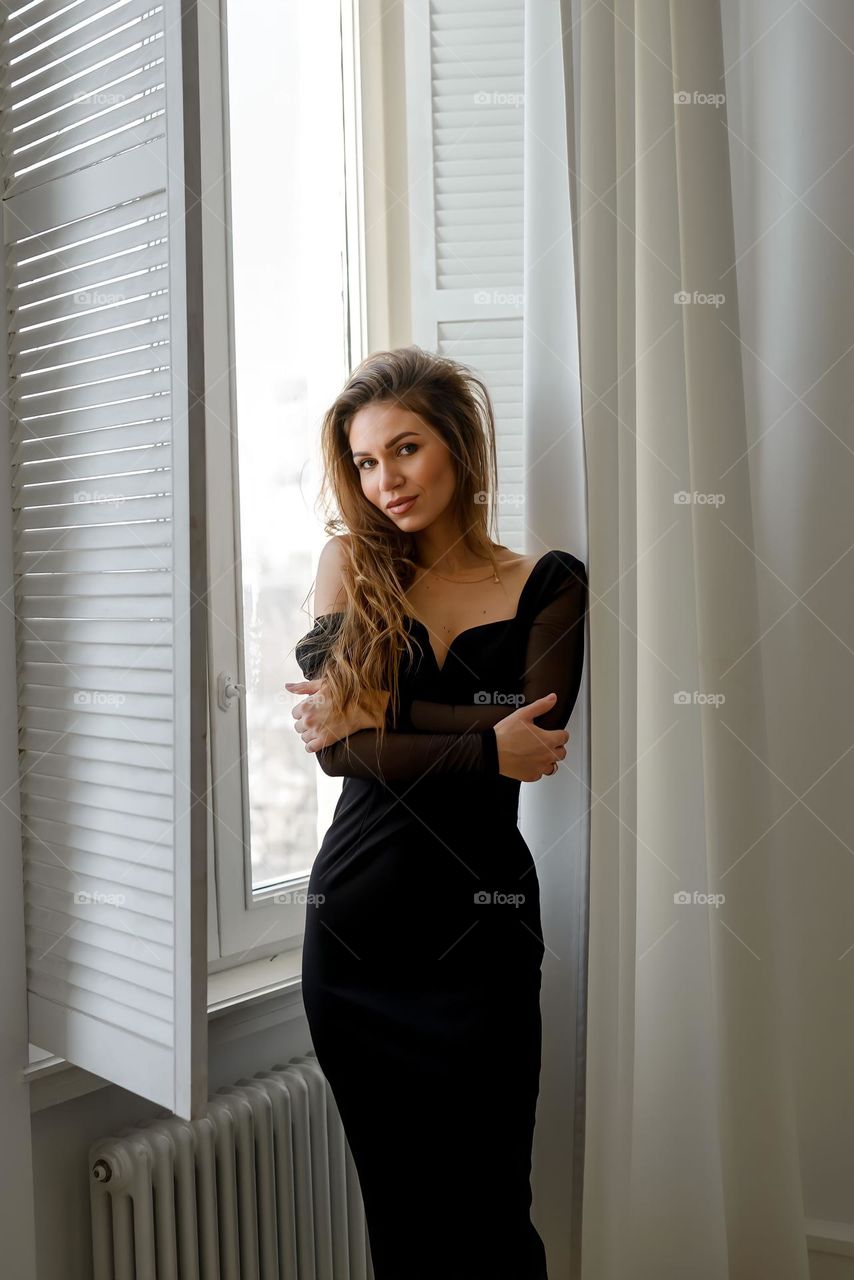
(248, 924)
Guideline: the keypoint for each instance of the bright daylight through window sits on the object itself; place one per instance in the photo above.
(289, 288)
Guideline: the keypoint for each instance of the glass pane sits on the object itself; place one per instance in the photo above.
(288, 237)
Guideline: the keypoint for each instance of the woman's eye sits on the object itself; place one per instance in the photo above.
(360, 466)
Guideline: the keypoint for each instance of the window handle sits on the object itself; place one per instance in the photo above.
(227, 690)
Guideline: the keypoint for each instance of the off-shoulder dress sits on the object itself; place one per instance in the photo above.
(423, 947)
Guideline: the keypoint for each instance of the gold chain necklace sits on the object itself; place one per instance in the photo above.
(468, 582)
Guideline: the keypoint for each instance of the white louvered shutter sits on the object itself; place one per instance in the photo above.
(465, 127)
(96, 252)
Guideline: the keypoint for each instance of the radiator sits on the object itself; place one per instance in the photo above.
(262, 1187)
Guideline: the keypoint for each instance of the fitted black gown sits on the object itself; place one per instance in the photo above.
(422, 956)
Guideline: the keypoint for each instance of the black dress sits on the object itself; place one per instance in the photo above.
(421, 958)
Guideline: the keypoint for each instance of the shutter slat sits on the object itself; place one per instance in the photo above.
(88, 372)
(101, 772)
(116, 679)
(80, 585)
(104, 559)
(99, 984)
(154, 734)
(136, 924)
(153, 635)
(119, 480)
(72, 328)
(54, 34)
(105, 891)
(44, 480)
(72, 996)
(34, 607)
(145, 830)
(78, 350)
(96, 512)
(85, 442)
(62, 302)
(136, 855)
(142, 409)
(88, 130)
(101, 704)
(66, 245)
(133, 136)
(107, 942)
(141, 387)
(37, 74)
(105, 870)
(129, 246)
(75, 104)
(75, 951)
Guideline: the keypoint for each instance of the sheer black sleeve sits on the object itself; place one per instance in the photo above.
(401, 756)
(554, 658)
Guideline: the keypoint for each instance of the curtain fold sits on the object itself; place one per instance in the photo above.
(554, 814)
(690, 1144)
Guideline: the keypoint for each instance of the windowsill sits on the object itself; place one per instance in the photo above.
(240, 1000)
(247, 984)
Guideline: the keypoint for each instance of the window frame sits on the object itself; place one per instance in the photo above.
(248, 924)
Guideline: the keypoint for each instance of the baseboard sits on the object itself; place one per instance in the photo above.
(830, 1247)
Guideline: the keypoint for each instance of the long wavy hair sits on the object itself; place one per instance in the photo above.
(379, 564)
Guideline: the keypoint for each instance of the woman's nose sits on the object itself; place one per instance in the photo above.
(390, 479)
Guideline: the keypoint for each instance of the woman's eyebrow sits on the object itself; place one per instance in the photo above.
(363, 453)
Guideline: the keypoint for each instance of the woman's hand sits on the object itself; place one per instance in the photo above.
(313, 724)
(525, 751)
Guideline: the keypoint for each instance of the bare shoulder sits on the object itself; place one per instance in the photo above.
(329, 594)
(516, 564)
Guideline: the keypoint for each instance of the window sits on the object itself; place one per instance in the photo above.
(290, 280)
(169, 360)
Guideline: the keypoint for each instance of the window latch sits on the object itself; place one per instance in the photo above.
(227, 690)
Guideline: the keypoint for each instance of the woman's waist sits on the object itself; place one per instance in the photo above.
(464, 802)
(428, 830)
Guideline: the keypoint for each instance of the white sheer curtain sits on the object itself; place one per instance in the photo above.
(690, 1160)
(554, 814)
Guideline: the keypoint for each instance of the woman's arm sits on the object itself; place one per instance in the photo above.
(409, 757)
(401, 756)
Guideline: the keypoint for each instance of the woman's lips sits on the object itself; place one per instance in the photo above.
(402, 507)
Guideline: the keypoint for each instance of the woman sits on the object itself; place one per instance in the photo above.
(441, 671)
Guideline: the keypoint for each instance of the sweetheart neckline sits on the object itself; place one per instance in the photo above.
(479, 626)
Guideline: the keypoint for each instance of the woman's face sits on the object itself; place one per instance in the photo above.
(398, 455)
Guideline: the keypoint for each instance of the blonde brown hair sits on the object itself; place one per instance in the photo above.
(379, 564)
